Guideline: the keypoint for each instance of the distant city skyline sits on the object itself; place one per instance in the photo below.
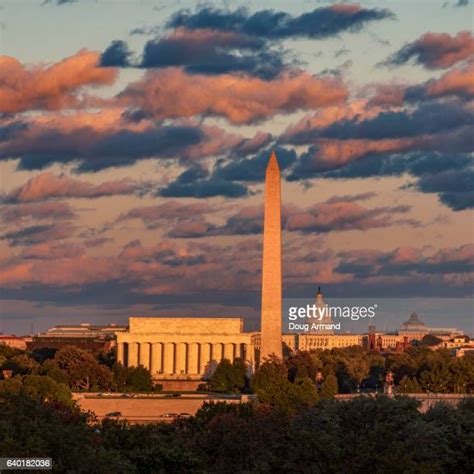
(391, 313)
(134, 138)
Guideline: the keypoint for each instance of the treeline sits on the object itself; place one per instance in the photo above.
(354, 369)
(379, 435)
(75, 368)
(347, 370)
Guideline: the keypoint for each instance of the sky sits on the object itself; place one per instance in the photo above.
(134, 136)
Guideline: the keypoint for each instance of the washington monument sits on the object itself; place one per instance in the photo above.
(271, 341)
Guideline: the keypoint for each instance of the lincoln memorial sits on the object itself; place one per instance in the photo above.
(183, 347)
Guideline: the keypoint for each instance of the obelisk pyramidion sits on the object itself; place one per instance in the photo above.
(271, 341)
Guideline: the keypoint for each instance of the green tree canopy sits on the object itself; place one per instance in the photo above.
(430, 340)
(132, 379)
(21, 364)
(83, 370)
(272, 386)
(329, 387)
(229, 376)
(38, 387)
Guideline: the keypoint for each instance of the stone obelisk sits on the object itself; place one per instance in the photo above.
(271, 341)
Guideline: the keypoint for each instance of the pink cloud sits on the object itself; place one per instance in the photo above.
(441, 50)
(47, 185)
(171, 93)
(343, 151)
(168, 211)
(455, 82)
(47, 251)
(410, 262)
(40, 211)
(386, 95)
(405, 255)
(37, 234)
(189, 229)
(97, 242)
(214, 141)
(458, 81)
(207, 37)
(254, 144)
(51, 87)
(464, 253)
(357, 109)
(341, 215)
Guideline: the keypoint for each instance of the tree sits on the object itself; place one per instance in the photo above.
(221, 378)
(457, 426)
(302, 364)
(21, 364)
(229, 377)
(302, 393)
(430, 340)
(239, 379)
(401, 364)
(132, 379)
(139, 379)
(270, 382)
(329, 387)
(82, 369)
(7, 352)
(272, 387)
(408, 385)
(435, 378)
(38, 387)
(108, 358)
(357, 368)
(51, 369)
(461, 370)
(153, 448)
(32, 428)
(43, 354)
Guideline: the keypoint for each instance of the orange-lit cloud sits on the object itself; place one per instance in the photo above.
(47, 251)
(172, 93)
(458, 81)
(342, 215)
(49, 186)
(37, 211)
(53, 87)
(436, 50)
(354, 110)
(153, 216)
(339, 152)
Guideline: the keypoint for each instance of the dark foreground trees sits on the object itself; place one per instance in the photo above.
(365, 435)
(31, 428)
(295, 426)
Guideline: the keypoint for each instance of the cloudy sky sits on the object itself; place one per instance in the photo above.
(134, 136)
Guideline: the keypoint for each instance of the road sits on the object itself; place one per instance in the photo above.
(146, 409)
